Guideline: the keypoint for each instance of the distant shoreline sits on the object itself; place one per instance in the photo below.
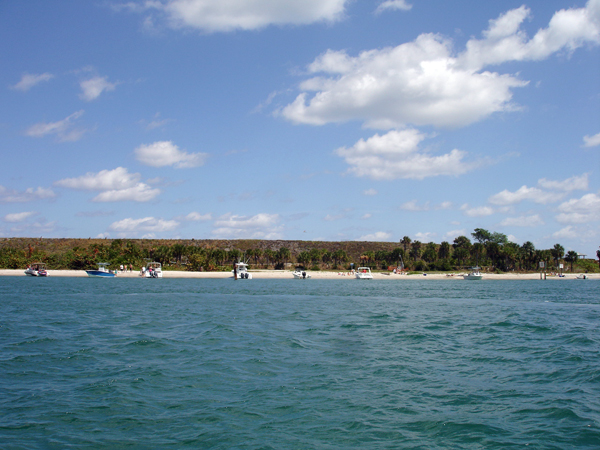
(322, 275)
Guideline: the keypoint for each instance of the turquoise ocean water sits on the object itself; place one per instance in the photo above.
(298, 364)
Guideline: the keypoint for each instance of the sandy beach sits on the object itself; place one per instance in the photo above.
(320, 275)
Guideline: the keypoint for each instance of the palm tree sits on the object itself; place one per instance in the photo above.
(405, 242)
(284, 254)
(415, 250)
(444, 250)
(571, 257)
(326, 258)
(257, 255)
(270, 255)
(528, 253)
(558, 253)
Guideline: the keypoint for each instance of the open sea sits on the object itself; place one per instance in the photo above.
(91, 363)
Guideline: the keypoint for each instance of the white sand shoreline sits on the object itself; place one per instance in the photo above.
(323, 275)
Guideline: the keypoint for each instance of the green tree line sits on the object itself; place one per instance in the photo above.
(490, 250)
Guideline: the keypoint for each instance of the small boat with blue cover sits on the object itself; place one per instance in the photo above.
(102, 272)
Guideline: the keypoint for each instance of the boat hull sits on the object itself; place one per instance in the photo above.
(473, 277)
(35, 273)
(99, 274)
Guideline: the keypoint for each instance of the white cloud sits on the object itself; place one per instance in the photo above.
(568, 185)
(379, 236)
(212, 16)
(416, 83)
(445, 205)
(165, 153)
(197, 217)
(29, 195)
(393, 5)
(523, 221)
(145, 225)
(424, 237)
(504, 41)
(63, 129)
(116, 185)
(568, 232)
(141, 192)
(524, 193)
(259, 226)
(370, 192)
(30, 80)
(93, 87)
(18, 217)
(583, 210)
(412, 205)
(397, 155)
(104, 180)
(591, 141)
(453, 234)
(479, 211)
(425, 82)
(367, 216)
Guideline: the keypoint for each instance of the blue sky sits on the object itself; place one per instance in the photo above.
(301, 119)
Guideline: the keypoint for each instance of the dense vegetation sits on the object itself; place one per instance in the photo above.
(490, 250)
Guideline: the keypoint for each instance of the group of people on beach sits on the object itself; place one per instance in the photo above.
(124, 268)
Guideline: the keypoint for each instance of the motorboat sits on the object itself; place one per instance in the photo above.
(475, 274)
(363, 273)
(582, 276)
(240, 270)
(153, 270)
(300, 274)
(37, 269)
(102, 272)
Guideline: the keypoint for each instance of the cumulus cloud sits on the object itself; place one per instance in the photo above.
(591, 141)
(523, 221)
(259, 226)
(370, 192)
(93, 87)
(397, 155)
(64, 130)
(393, 5)
(479, 211)
(379, 236)
(583, 210)
(536, 195)
(212, 16)
(568, 232)
(425, 82)
(29, 195)
(145, 225)
(413, 205)
(30, 80)
(165, 153)
(197, 217)
(570, 184)
(116, 185)
(552, 191)
(18, 217)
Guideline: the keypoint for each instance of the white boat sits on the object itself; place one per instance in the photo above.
(102, 272)
(475, 274)
(240, 270)
(582, 276)
(363, 273)
(152, 270)
(300, 274)
(37, 269)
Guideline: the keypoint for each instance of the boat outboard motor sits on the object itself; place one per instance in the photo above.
(303, 274)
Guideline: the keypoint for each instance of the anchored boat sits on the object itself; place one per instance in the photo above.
(37, 269)
(363, 273)
(102, 272)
